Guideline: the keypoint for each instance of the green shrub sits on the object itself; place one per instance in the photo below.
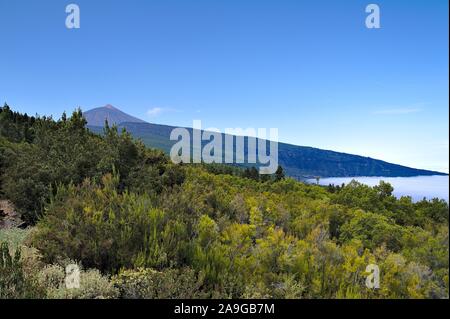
(92, 284)
(148, 283)
(105, 229)
(14, 236)
(14, 282)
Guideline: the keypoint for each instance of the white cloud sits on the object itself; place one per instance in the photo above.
(156, 111)
(397, 111)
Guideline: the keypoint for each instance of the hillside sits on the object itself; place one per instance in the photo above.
(140, 226)
(298, 161)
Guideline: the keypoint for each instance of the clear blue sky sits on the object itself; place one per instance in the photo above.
(309, 68)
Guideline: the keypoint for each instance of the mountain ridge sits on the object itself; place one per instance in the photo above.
(300, 162)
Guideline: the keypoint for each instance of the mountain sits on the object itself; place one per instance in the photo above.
(300, 162)
(97, 116)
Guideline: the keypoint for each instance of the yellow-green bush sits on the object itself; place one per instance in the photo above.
(147, 283)
(93, 285)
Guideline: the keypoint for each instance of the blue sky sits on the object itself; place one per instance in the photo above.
(310, 68)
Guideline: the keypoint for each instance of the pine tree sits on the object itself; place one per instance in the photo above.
(279, 174)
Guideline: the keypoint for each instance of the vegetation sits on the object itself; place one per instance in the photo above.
(143, 227)
(15, 281)
(298, 161)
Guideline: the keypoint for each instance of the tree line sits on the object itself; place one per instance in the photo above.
(140, 226)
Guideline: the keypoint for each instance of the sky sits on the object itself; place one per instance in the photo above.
(309, 68)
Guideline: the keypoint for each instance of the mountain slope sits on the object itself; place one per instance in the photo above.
(298, 161)
(97, 116)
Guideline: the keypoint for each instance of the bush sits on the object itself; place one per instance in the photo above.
(148, 283)
(106, 230)
(14, 282)
(13, 236)
(92, 284)
(373, 230)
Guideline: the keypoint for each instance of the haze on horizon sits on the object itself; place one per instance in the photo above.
(311, 69)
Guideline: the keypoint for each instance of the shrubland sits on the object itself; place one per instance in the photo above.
(142, 227)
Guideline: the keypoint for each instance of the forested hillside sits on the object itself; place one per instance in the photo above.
(300, 162)
(142, 227)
